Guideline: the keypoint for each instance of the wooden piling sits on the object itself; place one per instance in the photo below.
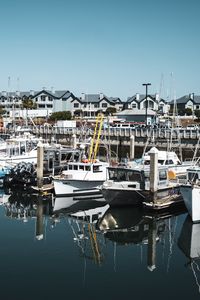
(40, 166)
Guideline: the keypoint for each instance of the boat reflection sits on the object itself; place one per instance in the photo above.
(82, 216)
(23, 206)
(128, 225)
(189, 243)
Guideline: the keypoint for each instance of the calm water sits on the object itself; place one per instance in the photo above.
(50, 250)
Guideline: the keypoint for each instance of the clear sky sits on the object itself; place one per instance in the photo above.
(108, 46)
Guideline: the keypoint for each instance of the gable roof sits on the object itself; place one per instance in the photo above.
(185, 99)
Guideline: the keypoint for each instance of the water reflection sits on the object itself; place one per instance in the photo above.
(94, 224)
(189, 243)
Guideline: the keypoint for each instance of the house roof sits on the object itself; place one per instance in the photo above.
(135, 111)
(185, 99)
(140, 97)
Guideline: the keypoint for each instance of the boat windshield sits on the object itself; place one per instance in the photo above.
(193, 176)
(124, 175)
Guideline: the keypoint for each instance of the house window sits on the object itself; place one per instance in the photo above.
(43, 98)
(96, 105)
(76, 105)
(134, 105)
(197, 106)
(104, 104)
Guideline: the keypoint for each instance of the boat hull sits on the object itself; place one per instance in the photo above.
(191, 198)
(68, 188)
(120, 197)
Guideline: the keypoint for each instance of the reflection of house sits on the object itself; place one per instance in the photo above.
(153, 102)
(89, 104)
(188, 101)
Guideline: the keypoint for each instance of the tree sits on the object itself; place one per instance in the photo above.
(60, 115)
(28, 104)
(188, 111)
(110, 111)
(197, 113)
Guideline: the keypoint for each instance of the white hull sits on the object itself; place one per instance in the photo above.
(76, 187)
(191, 197)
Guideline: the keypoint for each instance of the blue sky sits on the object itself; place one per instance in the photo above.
(109, 46)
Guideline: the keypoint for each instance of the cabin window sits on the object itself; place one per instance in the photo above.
(133, 176)
(192, 176)
(96, 169)
(163, 175)
(161, 162)
(81, 167)
(87, 168)
(75, 167)
(70, 167)
(169, 162)
(112, 174)
(121, 175)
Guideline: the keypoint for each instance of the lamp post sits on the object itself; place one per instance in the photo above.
(146, 84)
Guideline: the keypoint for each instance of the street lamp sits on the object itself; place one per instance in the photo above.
(146, 84)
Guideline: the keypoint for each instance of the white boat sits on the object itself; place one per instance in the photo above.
(191, 193)
(131, 186)
(189, 243)
(167, 158)
(80, 178)
(18, 149)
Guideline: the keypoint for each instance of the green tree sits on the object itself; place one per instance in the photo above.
(188, 111)
(60, 115)
(110, 111)
(28, 103)
(197, 113)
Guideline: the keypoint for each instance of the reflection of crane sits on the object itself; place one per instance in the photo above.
(96, 138)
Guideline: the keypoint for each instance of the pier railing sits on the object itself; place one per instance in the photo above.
(185, 138)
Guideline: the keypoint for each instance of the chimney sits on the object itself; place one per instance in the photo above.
(83, 96)
(52, 90)
(101, 95)
(157, 97)
(137, 96)
(31, 92)
(191, 96)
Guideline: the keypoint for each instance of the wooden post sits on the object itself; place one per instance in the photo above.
(39, 220)
(74, 141)
(151, 253)
(40, 158)
(132, 147)
(153, 172)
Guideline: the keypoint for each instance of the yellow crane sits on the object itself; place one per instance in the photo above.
(96, 138)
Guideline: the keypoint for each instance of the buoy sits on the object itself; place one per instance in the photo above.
(171, 174)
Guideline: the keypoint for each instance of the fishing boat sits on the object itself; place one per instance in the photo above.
(80, 178)
(139, 184)
(176, 167)
(86, 175)
(191, 193)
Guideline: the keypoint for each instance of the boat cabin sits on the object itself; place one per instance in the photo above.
(164, 158)
(137, 176)
(87, 167)
(193, 174)
(57, 158)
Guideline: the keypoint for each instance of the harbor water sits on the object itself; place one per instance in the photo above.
(65, 248)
